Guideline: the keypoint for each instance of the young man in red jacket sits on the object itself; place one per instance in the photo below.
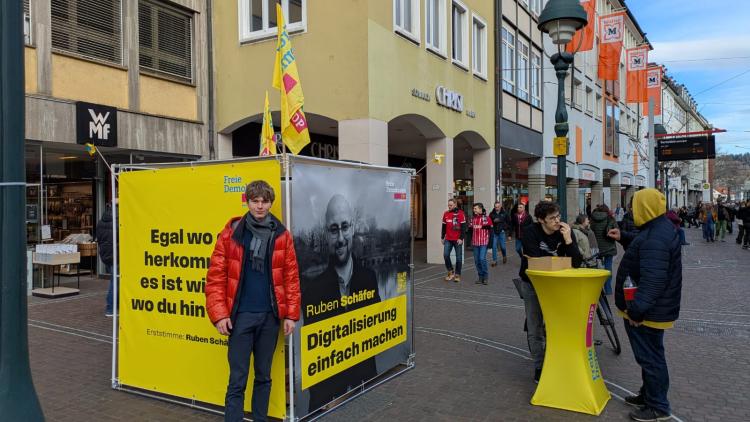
(452, 236)
(252, 287)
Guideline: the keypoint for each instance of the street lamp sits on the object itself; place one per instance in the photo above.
(561, 19)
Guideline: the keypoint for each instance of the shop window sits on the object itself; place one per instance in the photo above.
(406, 18)
(479, 50)
(460, 35)
(435, 22)
(523, 69)
(536, 79)
(165, 39)
(88, 28)
(258, 18)
(509, 60)
(26, 22)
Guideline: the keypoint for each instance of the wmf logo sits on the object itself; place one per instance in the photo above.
(98, 125)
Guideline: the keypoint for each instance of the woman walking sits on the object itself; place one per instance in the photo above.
(480, 238)
(708, 219)
(601, 223)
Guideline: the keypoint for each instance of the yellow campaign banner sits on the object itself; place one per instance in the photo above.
(333, 345)
(169, 220)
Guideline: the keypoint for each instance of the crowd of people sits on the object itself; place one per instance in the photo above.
(651, 238)
(716, 220)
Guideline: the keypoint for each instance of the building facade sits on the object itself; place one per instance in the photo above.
(608, 155)
(129, 76)
(520, 120)
(385, 82)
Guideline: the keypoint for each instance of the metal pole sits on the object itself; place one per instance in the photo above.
(651, 145)
(18, 399)
(562, 61)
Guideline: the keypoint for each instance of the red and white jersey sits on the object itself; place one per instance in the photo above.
(480, 226)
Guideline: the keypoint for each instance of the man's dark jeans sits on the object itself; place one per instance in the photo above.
(648, 348)
(256, 333)
(109, 307)
(447, 246)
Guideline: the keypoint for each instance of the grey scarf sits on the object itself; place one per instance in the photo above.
(262, 233)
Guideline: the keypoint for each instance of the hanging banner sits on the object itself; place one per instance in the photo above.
(653, 89)
(585, 35)
(637, 61)
(611, 32)
(354, 250)
(169, 219)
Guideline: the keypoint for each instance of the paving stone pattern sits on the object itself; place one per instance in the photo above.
(472, 362)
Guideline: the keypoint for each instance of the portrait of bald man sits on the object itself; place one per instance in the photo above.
(344, 276)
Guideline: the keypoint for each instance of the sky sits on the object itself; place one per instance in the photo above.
(706, 46)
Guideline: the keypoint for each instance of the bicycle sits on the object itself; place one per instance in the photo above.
(604, 311)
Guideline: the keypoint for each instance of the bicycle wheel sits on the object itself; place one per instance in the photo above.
(604, 312)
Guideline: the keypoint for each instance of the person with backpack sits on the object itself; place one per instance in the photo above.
(585, 239)
(499, 218)
(601, 223)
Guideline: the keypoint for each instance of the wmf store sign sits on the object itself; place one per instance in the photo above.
(96, 124)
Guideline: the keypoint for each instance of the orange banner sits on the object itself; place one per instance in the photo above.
(611, 32)
(653, 88)
(637, 61)
(585, 35)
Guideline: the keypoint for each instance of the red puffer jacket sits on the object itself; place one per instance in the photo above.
(224, 272)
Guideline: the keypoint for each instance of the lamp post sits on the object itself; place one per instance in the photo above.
(561, 19)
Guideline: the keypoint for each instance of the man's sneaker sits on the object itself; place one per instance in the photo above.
(505, 259)
(484, 281)
(108, 314)
(494, 263)
(647, 414)
(637, 401)
(537, 375)
(457, 278)
(450, 276)
(478, 281)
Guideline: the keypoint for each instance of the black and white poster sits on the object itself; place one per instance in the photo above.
(352, 235)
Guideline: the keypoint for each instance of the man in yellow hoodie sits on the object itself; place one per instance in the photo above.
(653, 261)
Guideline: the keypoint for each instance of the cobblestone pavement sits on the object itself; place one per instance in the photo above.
(472, 363)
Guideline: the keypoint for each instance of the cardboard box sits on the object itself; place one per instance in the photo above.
(550, 263)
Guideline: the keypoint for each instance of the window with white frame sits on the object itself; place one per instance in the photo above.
(165, 35)
(88, 28)
(509, 60)
(26, 23)
(406, 18)
(479, 46)
(435, 25)
(577, 93)
(258, 18)
(589, 100)
(460, 36)
(523, 69)
(598, 111)
(536, 7)
(536, 78)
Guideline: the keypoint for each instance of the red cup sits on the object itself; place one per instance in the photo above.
(629, 292)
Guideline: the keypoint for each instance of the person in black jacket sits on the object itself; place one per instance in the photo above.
(653, 261)
(500, 221)
(547, 237)
(104, 229)
(743, 224)
(519, 220)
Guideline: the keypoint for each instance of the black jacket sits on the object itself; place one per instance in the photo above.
(537, 243)
(104, 236)
(500, 220)
(744, 215)
(519, 226)
(653, 259)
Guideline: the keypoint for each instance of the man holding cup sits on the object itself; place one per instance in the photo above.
(653, 263)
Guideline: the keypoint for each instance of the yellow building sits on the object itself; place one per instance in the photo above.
(388, 82)
(127, 75)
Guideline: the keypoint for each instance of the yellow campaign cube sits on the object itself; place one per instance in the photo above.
(571, 378)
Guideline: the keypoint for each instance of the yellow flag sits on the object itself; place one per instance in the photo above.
(294, 131)
(267, 141)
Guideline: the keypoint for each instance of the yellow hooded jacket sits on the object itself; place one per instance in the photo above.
(647, 205)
